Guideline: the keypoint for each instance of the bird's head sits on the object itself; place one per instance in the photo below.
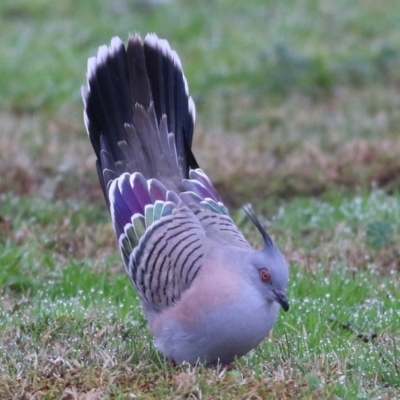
(269, 270)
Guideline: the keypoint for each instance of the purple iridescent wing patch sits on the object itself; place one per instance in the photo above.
(135, 204)
(200, 191)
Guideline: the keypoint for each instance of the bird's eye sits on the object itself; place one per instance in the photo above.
(265, 275)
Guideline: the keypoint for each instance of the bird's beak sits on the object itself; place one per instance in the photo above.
(280, 297)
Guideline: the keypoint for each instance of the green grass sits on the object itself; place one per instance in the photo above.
(297, 113)
(66, 322)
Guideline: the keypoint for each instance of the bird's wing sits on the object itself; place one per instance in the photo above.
(161, 241)
(200, 195)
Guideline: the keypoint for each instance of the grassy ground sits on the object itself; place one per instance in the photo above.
(298, 112)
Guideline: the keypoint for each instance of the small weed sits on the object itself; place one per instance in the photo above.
(379, 234)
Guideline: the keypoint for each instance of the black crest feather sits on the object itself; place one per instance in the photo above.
(267, 239)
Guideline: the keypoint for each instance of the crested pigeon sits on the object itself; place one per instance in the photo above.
(207, 295)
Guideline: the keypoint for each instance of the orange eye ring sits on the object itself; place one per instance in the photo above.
(265, 275)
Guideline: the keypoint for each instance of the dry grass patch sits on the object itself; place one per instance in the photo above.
(306, 147)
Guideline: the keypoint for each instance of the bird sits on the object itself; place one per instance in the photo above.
(207, 295)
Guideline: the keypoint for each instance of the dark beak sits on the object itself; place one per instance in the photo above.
(281, 298)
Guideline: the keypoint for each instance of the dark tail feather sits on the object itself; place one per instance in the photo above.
(108, 102)
(171, 96)
(125, 129)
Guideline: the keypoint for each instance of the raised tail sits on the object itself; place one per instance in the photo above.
(138, 112)
(166, 213)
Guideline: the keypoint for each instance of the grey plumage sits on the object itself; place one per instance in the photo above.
(174, 233)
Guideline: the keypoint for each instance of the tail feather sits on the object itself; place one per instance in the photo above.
(171, 94)
(107, 98)
(138, 112)
(138, 74)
